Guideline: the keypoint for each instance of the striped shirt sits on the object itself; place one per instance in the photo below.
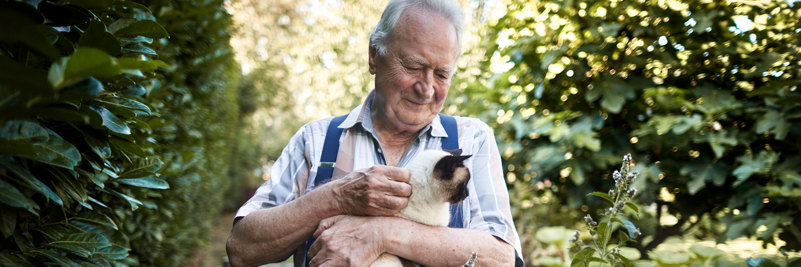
(485, 209)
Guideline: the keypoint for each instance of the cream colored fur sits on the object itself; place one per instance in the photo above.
(428, 203)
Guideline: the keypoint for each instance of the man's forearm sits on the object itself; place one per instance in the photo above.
(441, 246)
(268, 235)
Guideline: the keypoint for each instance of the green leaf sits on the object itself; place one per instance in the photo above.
(124, 146)
(139, 49)
(143, 167)
(72, 249)
(53, 257)
(96, 218)
(702, 172)
(86, 62)
(11, 196)
(112, 252)
(133, 202)
(582, 256)
(716, 100)
(69, 185)
(140, 64)
(28, 139)
(750, 165)
(626, 262)
(18, 29)
(146, 182)
(61, 114)
(684, 123)
(717, 141)
(86, 240)
(633, 207)
(773, 120)
(116, 103)
(146, 28)
(98, 37)
(88, 87)
(111, 121)
(27, 177)
(602, 195)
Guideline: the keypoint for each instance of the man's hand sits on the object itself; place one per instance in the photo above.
(377, 191)
(347, 241)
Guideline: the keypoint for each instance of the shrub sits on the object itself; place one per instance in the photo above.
(77, 159)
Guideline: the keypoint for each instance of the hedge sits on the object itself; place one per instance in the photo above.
(113, 125)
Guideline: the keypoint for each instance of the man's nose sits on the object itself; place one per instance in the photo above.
(425, 87)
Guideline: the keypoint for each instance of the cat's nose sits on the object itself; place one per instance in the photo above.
(460, 193)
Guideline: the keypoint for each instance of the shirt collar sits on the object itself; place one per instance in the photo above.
(361, 115)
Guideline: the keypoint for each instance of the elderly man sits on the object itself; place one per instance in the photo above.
(413, 52)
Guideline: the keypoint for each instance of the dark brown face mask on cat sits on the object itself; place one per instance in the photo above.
(454, 175)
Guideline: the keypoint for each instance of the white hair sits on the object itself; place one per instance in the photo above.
(383, 31)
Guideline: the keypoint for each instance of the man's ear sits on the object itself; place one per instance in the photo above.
(372, 58)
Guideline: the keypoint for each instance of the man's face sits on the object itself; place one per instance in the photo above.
(413, 78)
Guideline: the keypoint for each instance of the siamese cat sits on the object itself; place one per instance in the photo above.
(439, 178)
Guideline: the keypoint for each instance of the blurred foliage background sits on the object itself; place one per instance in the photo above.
(126, 127)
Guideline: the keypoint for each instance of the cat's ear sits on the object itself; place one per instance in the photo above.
(463, 158)
(456, 152)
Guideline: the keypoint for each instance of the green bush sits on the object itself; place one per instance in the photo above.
(77, 159)
(93, 127)
(704, 93)
(197, 100)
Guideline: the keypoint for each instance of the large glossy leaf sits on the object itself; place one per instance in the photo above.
(112, 252)
(11, 196)
(18, 28)
(146, 28)
(88, 87)
(133, 202)
(139, 49)
(98, 37)
(145, 182)
(87, 62)
(111, 121)
(87, 240)
(26, 177)
(54, 257)
(30, 140)
(142, 167)
(96, 218)
(69, 185)
(122, 103)
(140, 64)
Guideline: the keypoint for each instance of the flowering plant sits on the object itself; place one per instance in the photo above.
(599, 247)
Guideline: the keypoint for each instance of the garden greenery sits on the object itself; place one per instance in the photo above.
(113, 124)
(704, 93)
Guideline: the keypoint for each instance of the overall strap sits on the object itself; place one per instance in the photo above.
(452, 143)
(330, 150)
(327, 161)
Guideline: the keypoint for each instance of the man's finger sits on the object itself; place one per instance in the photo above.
(396, 174)
(313, 249)
(390, 204)
(399, 189)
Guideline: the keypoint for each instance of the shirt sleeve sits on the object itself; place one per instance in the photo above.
(287, 176)
(489, 208)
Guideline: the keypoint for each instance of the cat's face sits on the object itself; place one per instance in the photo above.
(453, 175)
